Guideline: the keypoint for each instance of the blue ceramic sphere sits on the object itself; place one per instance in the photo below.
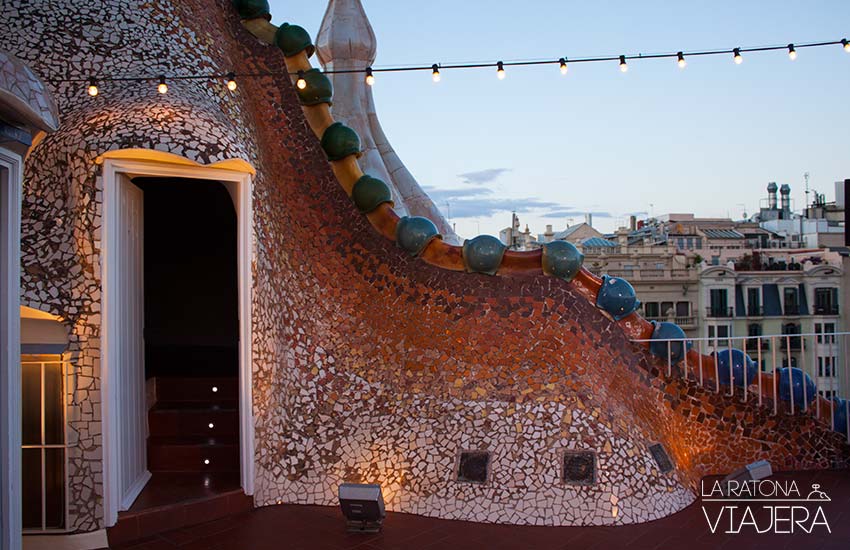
(483, 254)
(617, 297)
(661, 348)
(562, 259)
(839, 414)
(414, 233)
(739, 360)
(794, 380)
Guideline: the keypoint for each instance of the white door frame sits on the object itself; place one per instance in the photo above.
(239, 185)
(10, 351)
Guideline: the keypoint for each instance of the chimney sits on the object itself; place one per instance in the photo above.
(588, 219)
(633, 223)
(785, 191)
(771, 195)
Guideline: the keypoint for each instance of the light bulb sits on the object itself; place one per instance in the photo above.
(500, 70)
(93, 91)
(737, 54)
(846, 45)
(792, 53)
(231, 82)
(162, 87)
(211, 425)
(370, 78)
(435, 72)
(215, 389)
(623, 65)
(301, 83)
(207, 461)
(564, 67)
(681, 61)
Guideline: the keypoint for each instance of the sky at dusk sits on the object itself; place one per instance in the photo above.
(657, 139)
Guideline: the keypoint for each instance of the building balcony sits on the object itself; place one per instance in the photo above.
(826, 310)
(754, 343)
(720, 312)
(792, 309)
(684, 322)
(755, 311)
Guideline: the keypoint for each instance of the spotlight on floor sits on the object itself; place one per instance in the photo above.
(750, 472)
(363, 507)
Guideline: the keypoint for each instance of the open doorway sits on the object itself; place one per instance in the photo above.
(190, 354)
(164, 199)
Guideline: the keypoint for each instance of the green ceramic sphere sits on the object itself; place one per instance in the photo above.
(369, 193)
(340, 141)
(414, 233)
(319, 88)
(483, 254)
(562, 259)
(252, 9)
(292, 40)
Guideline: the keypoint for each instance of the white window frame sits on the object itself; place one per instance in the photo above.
(64, 365)
(239, 185)
(10, 350)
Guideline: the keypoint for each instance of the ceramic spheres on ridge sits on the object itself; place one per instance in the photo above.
(617, 297)
(561, 259)
(733, 365)
(414, 233)
(483, 254)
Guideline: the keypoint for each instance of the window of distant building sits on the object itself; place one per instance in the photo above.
(826, 301)
(754, 302)
(683, 309)
(826, 366)
(791, 300)
(825, 332)
(720, 333)
(719, 303)
(651, 310)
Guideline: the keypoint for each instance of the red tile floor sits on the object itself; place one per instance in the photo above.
(315, 527)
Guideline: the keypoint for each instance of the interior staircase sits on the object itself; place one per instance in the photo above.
(193, 456)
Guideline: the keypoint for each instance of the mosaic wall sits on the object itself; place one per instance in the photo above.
(368, 365)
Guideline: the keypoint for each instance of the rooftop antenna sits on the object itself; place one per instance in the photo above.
(806, 177)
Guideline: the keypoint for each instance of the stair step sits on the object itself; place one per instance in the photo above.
(208, 390)
(165, 420)
(190, 454)
(174, 501)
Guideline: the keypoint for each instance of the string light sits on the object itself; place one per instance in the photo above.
(792, 53)
(91, 85)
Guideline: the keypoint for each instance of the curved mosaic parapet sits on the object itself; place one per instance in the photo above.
(23, 95)
(621, 308)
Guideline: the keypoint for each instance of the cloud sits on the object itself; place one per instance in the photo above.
(479, 202)
(480, 177)
(575, 214)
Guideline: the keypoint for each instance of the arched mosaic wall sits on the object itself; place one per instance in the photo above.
(369, 365)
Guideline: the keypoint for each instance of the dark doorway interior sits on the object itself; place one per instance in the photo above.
(191, 294)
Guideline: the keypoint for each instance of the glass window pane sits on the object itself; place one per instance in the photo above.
(31, 396)
(53, 421)
(54, 473)
(31, 484)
